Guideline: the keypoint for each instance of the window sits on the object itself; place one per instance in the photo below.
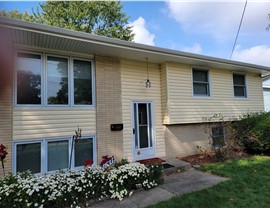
(28, 157)
(29, 79)
(52, 155)
(218, 136)
(82, 82)
(83, 151)
(47, 80)
(239, 85)
(200, 82)
(58, 155)
(266, 96)
(57, 81)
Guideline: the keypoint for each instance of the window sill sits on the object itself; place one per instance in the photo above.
(202, 96)
(52, 108)
(241, 98)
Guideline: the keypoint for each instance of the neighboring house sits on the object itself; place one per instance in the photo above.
(266, 93)
(65, 79)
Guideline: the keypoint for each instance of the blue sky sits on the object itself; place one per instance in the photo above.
(205, 27)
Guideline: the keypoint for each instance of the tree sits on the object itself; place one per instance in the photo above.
(15, 14)
(96, 17)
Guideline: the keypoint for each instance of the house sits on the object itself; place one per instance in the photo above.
(266, 92)
(66, 79)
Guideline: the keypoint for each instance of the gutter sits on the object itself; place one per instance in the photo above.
(90, 38)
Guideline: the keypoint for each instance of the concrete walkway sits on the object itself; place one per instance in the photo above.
(175, 184)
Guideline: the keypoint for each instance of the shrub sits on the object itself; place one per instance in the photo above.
(155, 173)
(253, 132)
(71, 188)
(121, 162)
(222, 139)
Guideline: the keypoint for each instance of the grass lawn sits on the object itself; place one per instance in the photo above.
(249, 186)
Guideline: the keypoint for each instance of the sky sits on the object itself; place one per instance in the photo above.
(204, 27)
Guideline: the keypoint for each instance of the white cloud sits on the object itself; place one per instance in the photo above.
(142, 34)
(220, 20)
(256, 55)
(195, 48)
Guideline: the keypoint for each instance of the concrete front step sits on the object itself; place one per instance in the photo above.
(179, 165)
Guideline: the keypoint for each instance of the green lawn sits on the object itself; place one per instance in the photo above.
(249, 186)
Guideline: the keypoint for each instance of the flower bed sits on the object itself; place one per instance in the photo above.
(74, 188)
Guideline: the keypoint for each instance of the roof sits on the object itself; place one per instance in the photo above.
(49, 37)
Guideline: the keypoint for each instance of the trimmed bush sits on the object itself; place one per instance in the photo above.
(72, 188)
(253, 132)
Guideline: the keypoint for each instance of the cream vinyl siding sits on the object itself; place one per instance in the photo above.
(46, 123)
(6, 125)
(186, 108)
(133, 78)
(164, 95)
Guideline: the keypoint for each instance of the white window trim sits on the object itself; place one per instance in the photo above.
(15, 78)
(46, 82)
(44, 152)
(246, 87)
(94, 154)
(44, 104)
(209, 83)
(46, 141)
(14, 153)
(72, 85)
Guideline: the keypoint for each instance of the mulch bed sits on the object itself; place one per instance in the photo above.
(151, 161)
(209, 157)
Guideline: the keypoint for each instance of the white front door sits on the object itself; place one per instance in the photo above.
(143, 130)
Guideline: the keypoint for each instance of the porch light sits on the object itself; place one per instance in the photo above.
(147, 83)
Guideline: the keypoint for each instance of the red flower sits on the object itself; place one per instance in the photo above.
(88, 163)
(104, 160)
(3, 151)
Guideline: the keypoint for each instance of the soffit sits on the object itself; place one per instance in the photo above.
(53, 38)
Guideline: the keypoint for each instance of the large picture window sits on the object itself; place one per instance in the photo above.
(239, 85)
(47, 80)
(51, 155)
(28, 79)
(200, 82)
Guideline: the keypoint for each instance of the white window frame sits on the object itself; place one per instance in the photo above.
(44, 73)
(46, 82)
(208, 82)
(44, 152)
(15, 77)
(14, 158)
(246, 86)
(46, 155)
(72, 78)
(94, 154)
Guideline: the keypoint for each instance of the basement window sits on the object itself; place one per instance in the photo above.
(218, 136)
(49, 155)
